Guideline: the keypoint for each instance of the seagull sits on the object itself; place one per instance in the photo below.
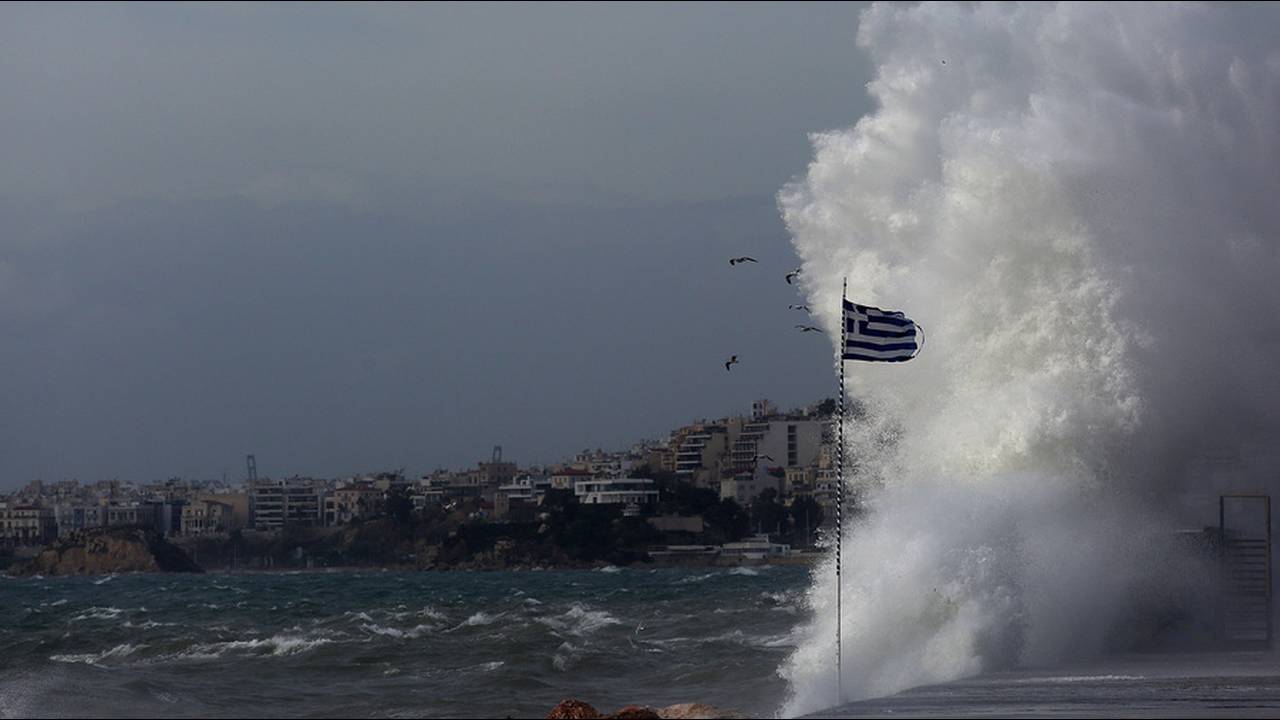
(733, 360)
(800, 307)
(809, 328)
(744, 258)
(792, 275)
(769, 457)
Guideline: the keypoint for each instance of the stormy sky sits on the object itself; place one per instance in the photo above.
(350, 238)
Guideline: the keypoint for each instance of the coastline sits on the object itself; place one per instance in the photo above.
(805, 559)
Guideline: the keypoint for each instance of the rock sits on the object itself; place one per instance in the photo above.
(635, 712)
(573, 710)
(695, 711)
(102, 551)
(577, 709)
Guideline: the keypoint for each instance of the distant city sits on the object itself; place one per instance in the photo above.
(767, 469)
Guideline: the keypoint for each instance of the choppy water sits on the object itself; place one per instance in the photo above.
(383, 644)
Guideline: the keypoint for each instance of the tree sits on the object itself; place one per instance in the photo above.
(767, 514)
(587, 534)
(726, 521)
(558, 500)
(827, 408)
(806, 516)
(692, 500)
(400, 505)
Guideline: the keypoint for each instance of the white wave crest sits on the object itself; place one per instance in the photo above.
(98, 613)
(430, 612)
(412, 633)
(274, 646)
(579, 620)
(480, 618)
(119, 651)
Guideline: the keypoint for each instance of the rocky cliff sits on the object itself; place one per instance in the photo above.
(102, 551)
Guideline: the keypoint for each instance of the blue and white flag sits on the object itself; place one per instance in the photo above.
(879, 335)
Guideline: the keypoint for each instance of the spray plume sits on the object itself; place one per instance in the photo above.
(1080, 203)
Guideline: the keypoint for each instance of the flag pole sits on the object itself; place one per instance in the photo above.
(844, 328)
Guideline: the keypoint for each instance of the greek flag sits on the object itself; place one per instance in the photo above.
(879, 335)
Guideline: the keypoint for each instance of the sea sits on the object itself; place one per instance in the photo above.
(396, 644)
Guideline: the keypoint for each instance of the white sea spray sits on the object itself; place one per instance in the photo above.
(1076, 202)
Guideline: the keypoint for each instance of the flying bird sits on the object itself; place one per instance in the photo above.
(809, 328)
(767, 457)
(744, 258)
(800, 307)
(733, 360)
(792, 275)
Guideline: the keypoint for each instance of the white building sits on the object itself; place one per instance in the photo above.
(26, 525)
(756, 547)
(640, 491)
(778, 443)
(744, 488)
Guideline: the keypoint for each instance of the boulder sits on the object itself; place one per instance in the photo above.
(635, 712)
(695, 711)
(578, 710)
(573, 710)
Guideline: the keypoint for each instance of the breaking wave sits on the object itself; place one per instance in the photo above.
(274, 646)
(1076, 200)
(119, 651)
(579, 620)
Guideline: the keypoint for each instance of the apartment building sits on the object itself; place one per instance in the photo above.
(22, 525)
(276, 503)
(206, 517)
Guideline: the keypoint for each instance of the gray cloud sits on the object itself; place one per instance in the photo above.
(670, 102)
(349, 237)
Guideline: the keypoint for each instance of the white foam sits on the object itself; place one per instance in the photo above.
(690, 579)
(565, 656)
(147, 625)
(275, 646)
(579, 620)
(1071, 679)
(477, 619)
(119, 651)
(430, 612)
(1078, 208)
(98, 613)
(412, 633)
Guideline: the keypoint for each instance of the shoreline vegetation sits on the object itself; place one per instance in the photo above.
(564, 535)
